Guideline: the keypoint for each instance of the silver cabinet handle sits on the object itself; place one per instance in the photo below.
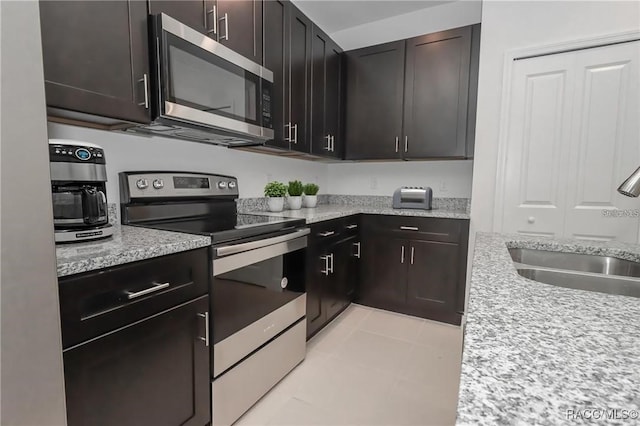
(397, 143)
(327, 268)
(333, 143)
(145, 81)
(331, 257)
(402, 255)
(412, 252)
(327, 233)
(409, 228)
(288, 126)
(406, 144)
(212, 11)
(358, 253)
(328, 138)
(226, 27)
(205, 339)
(295, 133)
(354, 226)
(156, 287)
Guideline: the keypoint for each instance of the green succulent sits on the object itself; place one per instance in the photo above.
(311, 189)
(275, 189)
(295, 188)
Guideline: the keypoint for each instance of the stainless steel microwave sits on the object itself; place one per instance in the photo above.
(202, 90)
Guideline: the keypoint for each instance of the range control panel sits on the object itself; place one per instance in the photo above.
(176, 185)
(75, 154)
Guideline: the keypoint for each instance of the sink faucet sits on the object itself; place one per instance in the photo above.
(631, 186)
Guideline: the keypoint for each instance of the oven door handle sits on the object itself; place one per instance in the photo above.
(239, 248)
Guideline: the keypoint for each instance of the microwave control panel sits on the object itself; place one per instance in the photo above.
(266, 108)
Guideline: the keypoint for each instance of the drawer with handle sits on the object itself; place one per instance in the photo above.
(422, 228)
(97, 302)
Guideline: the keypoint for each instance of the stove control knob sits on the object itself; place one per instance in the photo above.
(142, 183)
(158, 184)
(222, 184)
(232, 184)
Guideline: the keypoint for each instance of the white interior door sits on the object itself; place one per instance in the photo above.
(537, 150)
(605, 144)
(573, 137)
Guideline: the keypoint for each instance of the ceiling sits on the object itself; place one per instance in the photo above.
(336, 15)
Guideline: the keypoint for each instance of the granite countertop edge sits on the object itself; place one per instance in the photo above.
(532, 351)
(128, 244)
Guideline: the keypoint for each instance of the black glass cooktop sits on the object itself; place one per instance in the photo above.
(231, 228)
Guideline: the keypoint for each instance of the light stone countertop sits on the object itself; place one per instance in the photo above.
(532, 351)
(333, 211)
(128, 244)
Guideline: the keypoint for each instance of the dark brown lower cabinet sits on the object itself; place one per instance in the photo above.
(154, 372)
(415, 266)
(333, 258)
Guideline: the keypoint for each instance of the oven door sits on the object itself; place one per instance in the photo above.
(204, 83)
(257, 293)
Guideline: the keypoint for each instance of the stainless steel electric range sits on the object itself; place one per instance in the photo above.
(258, 304)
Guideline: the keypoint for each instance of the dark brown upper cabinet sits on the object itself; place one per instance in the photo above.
(276, 59)
(95, 56)
(413, 99)
(375, 82)
(199, 15)
(326, 80)
(436, 94)
(239, 26)
(299, 124)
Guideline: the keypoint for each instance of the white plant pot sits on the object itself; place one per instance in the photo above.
(294, 202)
(276, 204)
(310, 201)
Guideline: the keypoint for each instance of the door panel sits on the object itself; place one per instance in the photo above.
(275, 59)
(375, 86)
(300, 80)
(319, 131)
(240, 27)
(316, 287)
(436, 94)
(96, 72)
(605, 145)
(155, 372)
(384, 269)
(432, 275)
(198, 15)
(539, 126)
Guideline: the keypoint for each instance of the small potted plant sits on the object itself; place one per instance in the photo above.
(310, 195)
(275, 192)
(294, 200)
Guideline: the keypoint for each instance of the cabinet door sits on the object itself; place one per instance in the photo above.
(349, 271)
(316, 287)
(375, 86)
(199, 15)
(155, 372)
(95, 57)
(300, 80)
(384, 271)
(240, 27)
(436, 94)
(276, 33)
(326, 66)
(432, 276)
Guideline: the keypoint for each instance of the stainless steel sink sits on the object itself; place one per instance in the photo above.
(601, 274)
(591, 282)
(576, 262)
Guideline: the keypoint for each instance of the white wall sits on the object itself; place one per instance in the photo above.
(32, 380)
(428, 20)
(130, 152)
(446, 178)
(523, 24)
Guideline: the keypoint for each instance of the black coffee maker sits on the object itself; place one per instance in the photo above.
(78, 188)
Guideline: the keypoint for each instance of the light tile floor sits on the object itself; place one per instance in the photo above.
(369, 367)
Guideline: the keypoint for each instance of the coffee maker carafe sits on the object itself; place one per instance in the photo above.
(78, 188)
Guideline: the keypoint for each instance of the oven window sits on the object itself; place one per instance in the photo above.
(247, 294)
(201, 80)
